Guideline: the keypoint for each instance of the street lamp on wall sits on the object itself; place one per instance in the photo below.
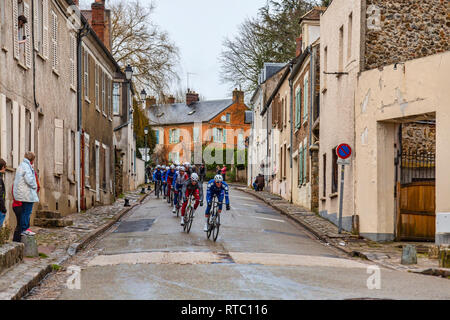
(128, 72)
(143, 95)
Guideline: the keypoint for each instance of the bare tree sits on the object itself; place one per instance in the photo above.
(138, 41)
(269, 37)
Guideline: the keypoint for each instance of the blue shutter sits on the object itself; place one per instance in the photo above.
(170, 135)
(157, 136)
(224, 135)
(300, 167)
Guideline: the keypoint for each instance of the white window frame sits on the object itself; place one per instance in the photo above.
(116, 95)
(55, 49)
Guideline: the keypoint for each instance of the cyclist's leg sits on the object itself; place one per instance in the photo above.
(220, 200)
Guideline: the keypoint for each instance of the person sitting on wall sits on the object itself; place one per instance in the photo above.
(259, 183)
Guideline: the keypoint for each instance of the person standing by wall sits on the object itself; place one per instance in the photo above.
(25, 191)
(18, 210)
(224, 172)
(2, 193)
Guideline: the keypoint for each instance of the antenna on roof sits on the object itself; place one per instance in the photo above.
(189, 73)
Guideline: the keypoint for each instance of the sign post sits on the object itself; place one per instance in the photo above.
(344, 152)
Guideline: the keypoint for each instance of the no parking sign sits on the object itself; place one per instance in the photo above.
(344, 152)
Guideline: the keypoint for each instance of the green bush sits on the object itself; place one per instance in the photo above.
(4, 235)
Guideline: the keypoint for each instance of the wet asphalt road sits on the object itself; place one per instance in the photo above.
(260, 254)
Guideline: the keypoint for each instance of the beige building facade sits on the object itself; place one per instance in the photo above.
(38, 99)
(416, 90)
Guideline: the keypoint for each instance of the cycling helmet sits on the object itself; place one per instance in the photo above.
(167, 168)
(158, 167)
(187, 164)
(194, 177)
(172, 167)
(182, 168)
(218, 178)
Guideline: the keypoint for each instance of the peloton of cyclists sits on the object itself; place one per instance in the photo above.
(179, 179)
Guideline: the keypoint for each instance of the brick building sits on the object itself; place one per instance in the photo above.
(182, 128)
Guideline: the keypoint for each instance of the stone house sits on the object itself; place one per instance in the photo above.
(361, 42)
(99, 71)
(260, 148)
(294, 107)
(184, 128)
(38, 98)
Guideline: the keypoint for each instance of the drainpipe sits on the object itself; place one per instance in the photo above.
(80, 187)
(291, 86)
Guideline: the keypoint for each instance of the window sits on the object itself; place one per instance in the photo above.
(196, 134)
(285, 111)
(341, 49)
(71, 155)
(349, 36)
(298, 104)
(334, 172)
(305, 97)
(6, 133)
(21, 31)
(228, 117)
(282, 115)
(55, 53)
(109, 89)
(174, 136)
(219, 135)
(107, 169)
(324, 175)
(40, 25)
(97, 87)
(157, 136)
(116, 98)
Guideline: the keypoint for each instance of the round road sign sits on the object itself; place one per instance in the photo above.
(344, 151)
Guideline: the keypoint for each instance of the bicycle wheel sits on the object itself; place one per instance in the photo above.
(157, 190)
(216, 227)
(191, 219)
(209, 232)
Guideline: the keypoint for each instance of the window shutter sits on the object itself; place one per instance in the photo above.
(177, 136)
(224, 135)
(36, 24)
(59, 146)
(73, 46)
(300, 164)
(3, 132)
(55, 40)
(28, 44)
(32, 131)
(45, 28)
(305, 95)
(305, 159)
(96, 87)
(16, 29)
(86, 74)
(69, 154)
(86, 157)
(170, 136)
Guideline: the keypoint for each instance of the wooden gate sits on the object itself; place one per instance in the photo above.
(417, 205)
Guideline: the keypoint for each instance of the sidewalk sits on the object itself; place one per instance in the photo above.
(57, 245)
(385, 254)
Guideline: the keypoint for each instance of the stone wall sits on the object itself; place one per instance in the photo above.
(402, 30)
(419, 138)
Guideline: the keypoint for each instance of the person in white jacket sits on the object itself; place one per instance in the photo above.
(25, 191)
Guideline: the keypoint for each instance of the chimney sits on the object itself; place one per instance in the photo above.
(171, 99)
(150, 101)
(298, 52)
(238, 96)
(191, 97)
(76, 2)
(98, 20)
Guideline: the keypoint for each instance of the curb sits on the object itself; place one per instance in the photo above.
(72, 250)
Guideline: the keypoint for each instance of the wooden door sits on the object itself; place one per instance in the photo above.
(417, 219)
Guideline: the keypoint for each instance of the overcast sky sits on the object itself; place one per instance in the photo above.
(198, 27)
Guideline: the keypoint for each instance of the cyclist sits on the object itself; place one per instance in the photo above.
(180, 178)
(190, 187)
(157, 176)
(169, 178)
(164, 171)
(187, 165)
(216, 187)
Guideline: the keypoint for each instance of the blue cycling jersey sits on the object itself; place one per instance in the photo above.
(213, 190)
(157, 175)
